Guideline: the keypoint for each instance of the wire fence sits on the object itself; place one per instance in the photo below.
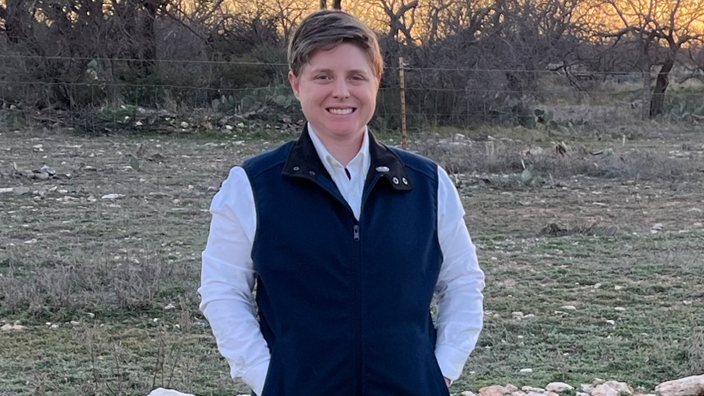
(107, 94)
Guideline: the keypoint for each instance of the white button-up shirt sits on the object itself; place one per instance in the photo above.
(228, 275)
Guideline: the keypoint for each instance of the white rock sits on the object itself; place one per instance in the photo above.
(558, 387)
(535, 394)
(611, 322)
(511, 388)
(494, 390)
(467, 393)
(531, 389)
(621, 387)
(112, 196)
(569, 307)
(587, 388)
(621, 309)
(9, 327)
(6, 190)
(526, 370)
(167, 392)
(169, 307)
(604, 390)
(687, 386)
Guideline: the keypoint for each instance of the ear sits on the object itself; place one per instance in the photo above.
(294, 84)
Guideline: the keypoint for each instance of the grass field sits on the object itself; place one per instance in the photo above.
(594, 261)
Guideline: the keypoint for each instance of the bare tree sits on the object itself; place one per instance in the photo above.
(661, 28)
(336, 4)
(401, 18)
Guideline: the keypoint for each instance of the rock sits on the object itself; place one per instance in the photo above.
(112, 196)
(518, 393)
(511, 388)
(569, 307)
(494, 390)
(169, 307)
(467, 393)
(604, 390)
(15, 326)
(558, 387)
(526, 370)
(687, 386)
(532, 389)
(621, 387)
(48, 170)
(167, 392)
(535, 394)
(6, 190)
(587, 388)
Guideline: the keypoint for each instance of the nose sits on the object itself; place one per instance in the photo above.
(340, 89)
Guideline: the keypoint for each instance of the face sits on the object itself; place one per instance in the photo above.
(337, 90)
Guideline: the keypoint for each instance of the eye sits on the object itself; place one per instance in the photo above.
(322, 77)
(358, 77)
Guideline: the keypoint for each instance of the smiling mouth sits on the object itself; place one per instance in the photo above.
(339, 111)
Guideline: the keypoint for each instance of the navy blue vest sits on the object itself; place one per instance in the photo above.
(344, 305)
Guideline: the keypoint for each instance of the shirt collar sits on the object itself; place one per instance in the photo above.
(303, 162)
(359, 162)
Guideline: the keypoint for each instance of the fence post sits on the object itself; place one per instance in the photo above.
(404, 141)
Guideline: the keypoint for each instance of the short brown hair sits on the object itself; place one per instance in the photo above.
(324, 30)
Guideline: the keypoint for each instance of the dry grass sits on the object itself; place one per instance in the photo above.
(600, 156)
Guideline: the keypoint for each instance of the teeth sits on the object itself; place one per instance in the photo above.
(340, 111)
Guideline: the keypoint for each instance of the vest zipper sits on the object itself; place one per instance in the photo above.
(356, 232)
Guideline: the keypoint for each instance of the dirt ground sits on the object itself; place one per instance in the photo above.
(594, 265)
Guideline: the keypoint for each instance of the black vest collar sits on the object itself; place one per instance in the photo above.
(303, 161)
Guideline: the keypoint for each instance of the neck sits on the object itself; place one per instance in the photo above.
(344, 149)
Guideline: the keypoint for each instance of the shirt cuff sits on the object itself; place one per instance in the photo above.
(451, 361)
(255, 377)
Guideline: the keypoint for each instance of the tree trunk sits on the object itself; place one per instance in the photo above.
(657, 102)
(647, 82)
(337, 4)
(149, 46)
(323, 4)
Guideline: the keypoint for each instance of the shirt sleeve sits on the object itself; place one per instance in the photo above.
(227, 281)
(460, 284)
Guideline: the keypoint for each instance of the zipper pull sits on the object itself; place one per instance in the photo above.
(356, 232)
